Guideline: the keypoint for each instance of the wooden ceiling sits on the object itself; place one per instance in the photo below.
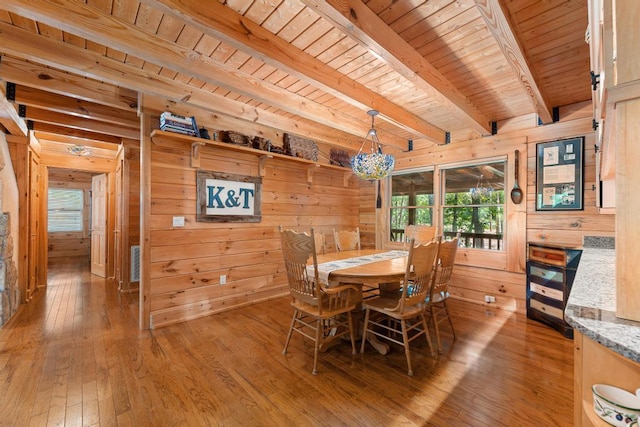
(433, 68)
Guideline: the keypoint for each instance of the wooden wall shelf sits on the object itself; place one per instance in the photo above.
(160, 137)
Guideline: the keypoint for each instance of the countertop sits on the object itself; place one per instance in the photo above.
(591, 308)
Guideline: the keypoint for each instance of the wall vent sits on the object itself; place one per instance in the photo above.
(135, 263)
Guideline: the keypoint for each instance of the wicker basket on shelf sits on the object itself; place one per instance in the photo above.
(300, 147)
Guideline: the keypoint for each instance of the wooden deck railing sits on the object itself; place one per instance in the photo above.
(468, 240)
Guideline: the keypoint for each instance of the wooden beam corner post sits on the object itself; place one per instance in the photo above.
(145, 219)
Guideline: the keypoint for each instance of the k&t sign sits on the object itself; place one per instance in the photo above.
(228, 198)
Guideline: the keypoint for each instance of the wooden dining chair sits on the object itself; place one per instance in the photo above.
(346, 240)
(319, 239)
(419, 233)
(439, 293)
(400, 318)
(321, 313)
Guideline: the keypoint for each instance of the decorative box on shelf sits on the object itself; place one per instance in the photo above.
(550, 274)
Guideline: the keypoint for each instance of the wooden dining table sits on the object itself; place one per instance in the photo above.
(384, 275)
(370, 274)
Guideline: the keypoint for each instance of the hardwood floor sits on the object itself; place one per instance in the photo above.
(75, 356)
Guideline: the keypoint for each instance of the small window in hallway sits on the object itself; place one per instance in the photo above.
(65, 210)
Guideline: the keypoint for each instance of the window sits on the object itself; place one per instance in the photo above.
(412, 202)
(474, 204)
(65, 210)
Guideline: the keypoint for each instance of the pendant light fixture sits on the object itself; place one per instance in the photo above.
(374, 164)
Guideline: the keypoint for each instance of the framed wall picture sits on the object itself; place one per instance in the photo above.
(224, 197)
(559, 175)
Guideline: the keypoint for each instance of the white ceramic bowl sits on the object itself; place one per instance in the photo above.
(616, 406)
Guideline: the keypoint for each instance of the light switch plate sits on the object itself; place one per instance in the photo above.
(178, 221)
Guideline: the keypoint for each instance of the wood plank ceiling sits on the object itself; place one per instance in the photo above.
(309, 67)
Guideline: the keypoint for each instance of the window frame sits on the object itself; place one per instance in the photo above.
(83, 211)
(389, 207)
(470, 256)
(442, 193)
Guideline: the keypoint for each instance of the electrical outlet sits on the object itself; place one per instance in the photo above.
(178, 221)
(223, 279)
(487, 298)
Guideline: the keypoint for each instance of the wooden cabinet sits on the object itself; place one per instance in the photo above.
(550, 274)
(596, 364)
(600, 37)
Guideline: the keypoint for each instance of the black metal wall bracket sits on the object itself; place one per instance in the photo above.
(595, 80)
(11, 92)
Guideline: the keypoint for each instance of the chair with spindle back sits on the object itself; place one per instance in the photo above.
(400, 317)
(439, 293)
(346, 240)
(321, 313)
(319, 238)
(419, 233)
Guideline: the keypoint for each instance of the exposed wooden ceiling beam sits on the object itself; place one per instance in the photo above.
(88, 22)
(498, 24)
(9, 117)
(44, 50)
(61, 130)
(221, 22)
(58, 82)
(355, 19)
(44, 100)
(51, 117)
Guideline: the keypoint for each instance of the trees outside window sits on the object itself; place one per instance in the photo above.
(474, 204)
(471, 201)
(412, 202)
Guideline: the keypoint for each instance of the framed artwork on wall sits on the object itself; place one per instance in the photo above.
(224, 197)
(559, 175)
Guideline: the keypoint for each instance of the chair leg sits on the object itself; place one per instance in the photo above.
(434, 319)
(405, 340)
(352, 334)
(316, 347)
(446, 310)
(293, 322)
(427, 334)
(364, 330)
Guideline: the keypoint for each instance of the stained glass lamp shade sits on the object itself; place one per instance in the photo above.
(374, 164)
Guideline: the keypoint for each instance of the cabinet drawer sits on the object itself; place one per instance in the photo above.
(550, 256)
(546, 291)
(558, 313)
(546, 274)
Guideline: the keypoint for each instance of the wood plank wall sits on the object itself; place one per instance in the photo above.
(187, 262)
(508, 282)
(77, 244)
(131, 220)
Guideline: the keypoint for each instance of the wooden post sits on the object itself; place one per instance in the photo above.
(145, 219)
